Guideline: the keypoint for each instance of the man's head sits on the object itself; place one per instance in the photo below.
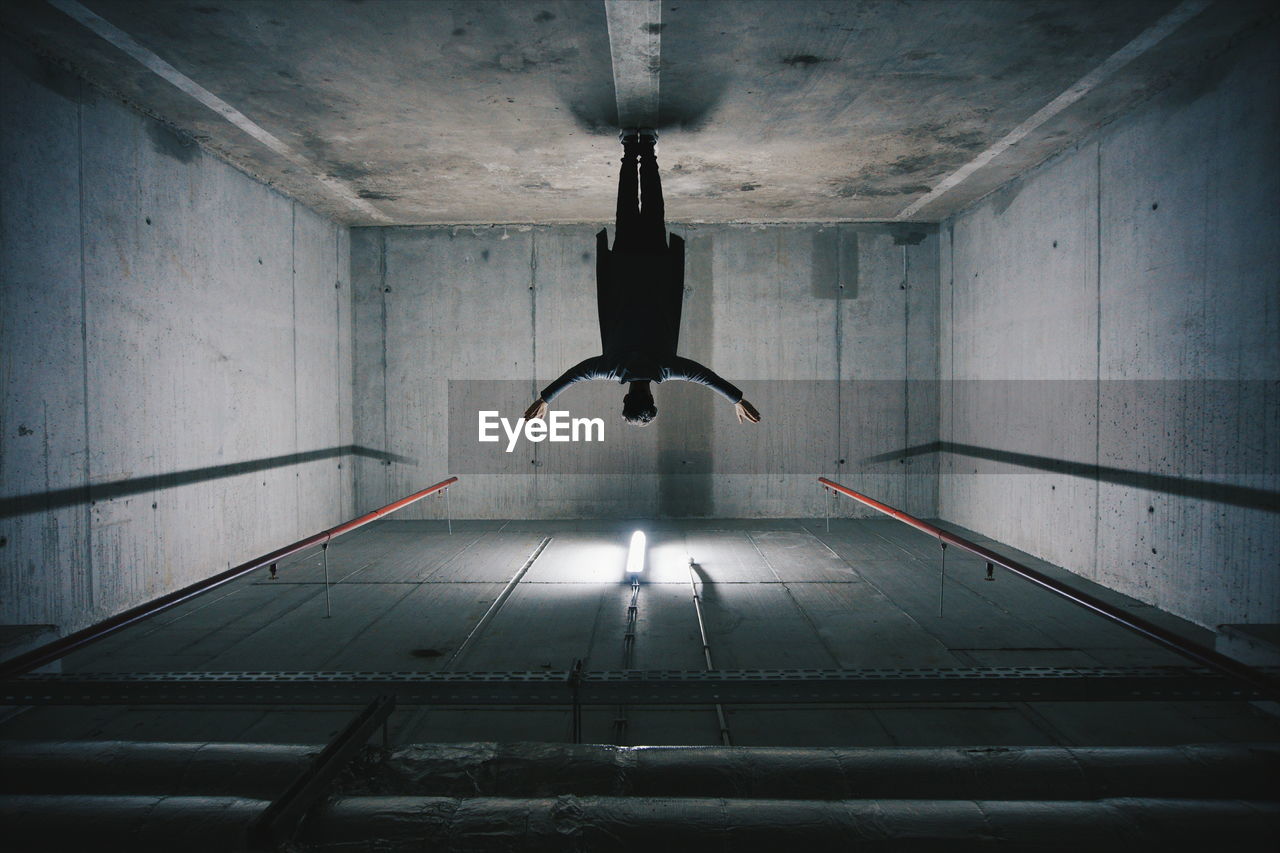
(637, 407)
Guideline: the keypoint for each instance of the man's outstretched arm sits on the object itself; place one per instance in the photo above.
(691, 371)
(592, 368)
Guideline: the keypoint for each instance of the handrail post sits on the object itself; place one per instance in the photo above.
(324, 549)
(942, 576)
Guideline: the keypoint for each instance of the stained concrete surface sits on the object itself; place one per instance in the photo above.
(484, 112)
(777, 594)
(163, 315)
(1120, 308)
(173, 345)
(829, 329)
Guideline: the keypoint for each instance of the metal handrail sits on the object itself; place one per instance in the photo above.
(65, 645)
(1174, 642)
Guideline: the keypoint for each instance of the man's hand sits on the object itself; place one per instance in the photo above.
(746, 412)
(539, 410)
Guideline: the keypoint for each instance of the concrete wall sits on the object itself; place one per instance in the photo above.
(173, 334)
(1120, 308)
(822, 327)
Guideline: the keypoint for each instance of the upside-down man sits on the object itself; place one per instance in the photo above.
(639, 293)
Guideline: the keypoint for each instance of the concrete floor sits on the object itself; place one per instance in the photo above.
(776, 594)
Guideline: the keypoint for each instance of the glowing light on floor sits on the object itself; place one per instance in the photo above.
(635, 556)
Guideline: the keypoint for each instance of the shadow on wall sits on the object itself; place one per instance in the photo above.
(1242, 496)
(685, 438)
(58, 498)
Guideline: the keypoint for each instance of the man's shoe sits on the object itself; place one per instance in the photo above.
(630, 136)
(647, 136)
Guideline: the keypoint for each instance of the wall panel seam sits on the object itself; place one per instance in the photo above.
(1097, 383)
(86, 579)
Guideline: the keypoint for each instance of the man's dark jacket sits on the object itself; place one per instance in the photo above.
(639, 297)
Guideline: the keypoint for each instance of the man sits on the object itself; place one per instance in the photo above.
(639, 293)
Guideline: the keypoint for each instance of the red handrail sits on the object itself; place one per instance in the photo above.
(1168, 639)
(65, 645)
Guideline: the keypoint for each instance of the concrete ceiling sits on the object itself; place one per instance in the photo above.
(379, 112)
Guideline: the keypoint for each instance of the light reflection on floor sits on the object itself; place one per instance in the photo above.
(601, 557)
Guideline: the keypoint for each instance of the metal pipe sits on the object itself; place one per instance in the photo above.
(276, 824)
(496, 605)
(628, 657)
(630, 824)
(1237, 771)
(633, 612)
(65, 645)
(697, 608)
(139, 824)
(575, 680)
(1168, 639)
(646, 823)
(113, 767)
(706, 651)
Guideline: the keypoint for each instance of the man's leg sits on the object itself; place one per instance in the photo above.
(626, 230)
(653, 226)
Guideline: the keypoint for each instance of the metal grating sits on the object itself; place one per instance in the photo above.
(632, 687)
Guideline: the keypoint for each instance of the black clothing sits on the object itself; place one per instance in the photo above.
(639, 297)
(638, 229)
(639, 293)
(639, 368)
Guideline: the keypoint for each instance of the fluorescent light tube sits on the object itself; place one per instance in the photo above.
(635, 556)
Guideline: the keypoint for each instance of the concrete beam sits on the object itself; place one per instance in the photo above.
(635, 44)
(1146, 40)
(122, 40)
